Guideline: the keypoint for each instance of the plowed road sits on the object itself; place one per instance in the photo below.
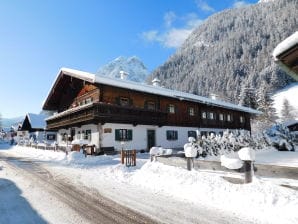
(59, 201)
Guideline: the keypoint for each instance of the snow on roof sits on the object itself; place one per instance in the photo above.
(285, 45)
(290, 122)
(37, 120)
(153, 90)
(71, 110)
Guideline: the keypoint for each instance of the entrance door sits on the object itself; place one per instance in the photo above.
(150, 139)
(72, 134)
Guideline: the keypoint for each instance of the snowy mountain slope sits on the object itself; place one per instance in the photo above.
(290, 93)
(8, 122)
(231, 50)
(135, 68)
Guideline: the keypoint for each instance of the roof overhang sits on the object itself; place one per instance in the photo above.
(62, 82)
(286, 55)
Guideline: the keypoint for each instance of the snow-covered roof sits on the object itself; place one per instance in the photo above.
(285, 45)
(37, 121)
(92, 78)
(290, 122)
(69, 111)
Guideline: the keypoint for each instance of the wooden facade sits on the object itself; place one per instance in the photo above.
(80, 102)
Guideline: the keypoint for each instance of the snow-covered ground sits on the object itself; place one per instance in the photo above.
(290, 93)
(263, 201)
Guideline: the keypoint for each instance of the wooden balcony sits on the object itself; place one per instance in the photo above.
(106, 113)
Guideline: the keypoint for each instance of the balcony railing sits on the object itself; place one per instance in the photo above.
(106, 113)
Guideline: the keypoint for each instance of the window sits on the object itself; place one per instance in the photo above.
(211, 115)
(51, 137)
(204, 133)
(204, 115)
(229, 118)
(88, 100)
(221, 117)
(192, 134)
(171, 108)
(172, 135)
(151, 105)
(64, 137)
(191, 111)
(242, 119)
(87, 135)
(124, 101)
(123, 134)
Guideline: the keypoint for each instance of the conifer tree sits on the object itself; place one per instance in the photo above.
(287, 111)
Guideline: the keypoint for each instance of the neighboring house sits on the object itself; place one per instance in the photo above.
(119, 113)
(34, 128)
(293, 128)
(286, 55)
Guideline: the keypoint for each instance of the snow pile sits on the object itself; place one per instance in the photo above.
(235, 161)
(260, 201)
(231, 163)
(155, 151)
(247, 154)
(263, 200)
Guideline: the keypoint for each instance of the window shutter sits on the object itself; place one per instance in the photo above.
(129, 134)
(168, 135)
(176, 135)
(117, 100)
(117, 134)
(130, 102)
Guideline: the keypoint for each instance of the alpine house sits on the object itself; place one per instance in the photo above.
(117, 113)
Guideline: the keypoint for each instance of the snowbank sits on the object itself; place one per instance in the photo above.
(260, 201)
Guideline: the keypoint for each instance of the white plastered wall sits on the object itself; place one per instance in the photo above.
(139, 133)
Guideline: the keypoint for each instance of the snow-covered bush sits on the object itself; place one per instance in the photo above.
(279, 137)
(230, 141)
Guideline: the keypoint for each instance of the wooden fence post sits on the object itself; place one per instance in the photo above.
(248, 171)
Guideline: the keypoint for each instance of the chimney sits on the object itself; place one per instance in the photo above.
(156, 82)
(213, 96)
(123, 75)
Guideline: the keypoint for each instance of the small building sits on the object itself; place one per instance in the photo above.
(286, 55)
(292, 125)
(34, 128)
(117, 113)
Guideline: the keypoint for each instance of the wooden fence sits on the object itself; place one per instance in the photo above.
(129, 157)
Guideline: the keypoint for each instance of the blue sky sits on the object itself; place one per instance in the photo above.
(37, 38)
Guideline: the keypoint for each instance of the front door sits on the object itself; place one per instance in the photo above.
(150, 139)
(72, 134)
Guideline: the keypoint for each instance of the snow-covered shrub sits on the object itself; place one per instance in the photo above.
(230, 141)
(279, 137)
